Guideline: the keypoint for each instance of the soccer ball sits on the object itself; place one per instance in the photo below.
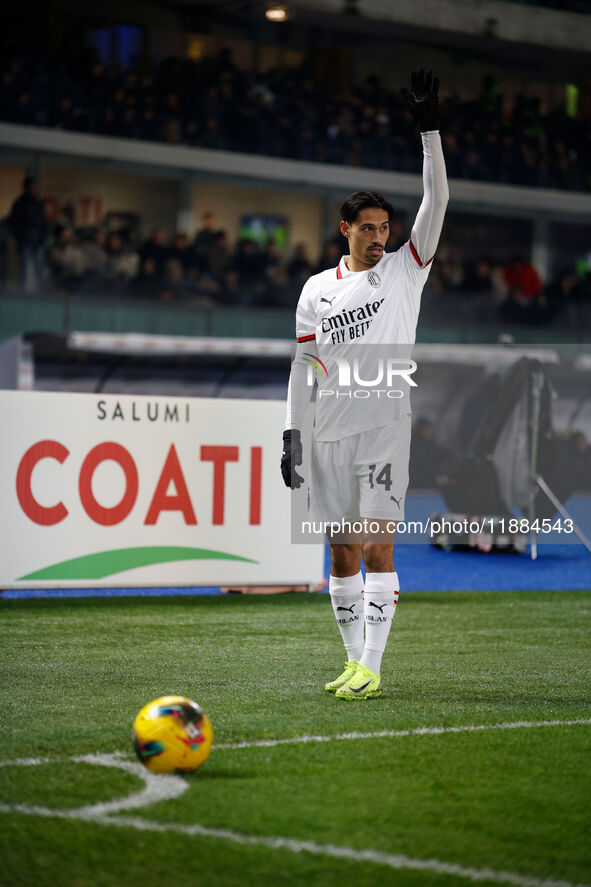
(172, 733)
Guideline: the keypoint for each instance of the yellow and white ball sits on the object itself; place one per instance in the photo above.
(172, 733)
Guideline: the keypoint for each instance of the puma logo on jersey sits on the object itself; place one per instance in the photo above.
(328, 301)
(394, 499)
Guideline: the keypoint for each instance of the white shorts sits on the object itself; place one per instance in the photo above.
(362, 476)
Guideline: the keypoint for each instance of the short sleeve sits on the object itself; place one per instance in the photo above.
(306, 314)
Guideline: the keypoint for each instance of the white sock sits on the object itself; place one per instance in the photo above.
(379, 604)
(347, 603)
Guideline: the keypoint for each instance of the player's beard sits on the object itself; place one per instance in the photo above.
(372, 258)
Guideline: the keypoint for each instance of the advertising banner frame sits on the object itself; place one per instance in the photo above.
(109, 490)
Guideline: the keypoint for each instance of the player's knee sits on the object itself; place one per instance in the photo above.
(378, 558)
(345, 559)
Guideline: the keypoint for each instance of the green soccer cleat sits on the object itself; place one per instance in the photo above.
(350, 669)
(362, 685)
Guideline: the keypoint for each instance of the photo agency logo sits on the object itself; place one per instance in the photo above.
(359, 379)
(314, 363)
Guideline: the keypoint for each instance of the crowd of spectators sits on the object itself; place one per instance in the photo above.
(286, 113)
(205, 270)
(509, 291)
(208, 271)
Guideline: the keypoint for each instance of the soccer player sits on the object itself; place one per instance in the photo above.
(360, 446)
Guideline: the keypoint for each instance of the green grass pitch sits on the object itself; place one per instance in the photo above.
(495, 806)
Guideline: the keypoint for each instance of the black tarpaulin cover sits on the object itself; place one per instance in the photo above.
(494, 475)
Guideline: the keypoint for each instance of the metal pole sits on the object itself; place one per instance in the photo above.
(537, 382)
(562, 510)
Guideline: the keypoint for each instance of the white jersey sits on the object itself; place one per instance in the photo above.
(369, 316)
(360, 320)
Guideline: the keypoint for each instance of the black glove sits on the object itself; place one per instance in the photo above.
(291, 456)
(423, 99)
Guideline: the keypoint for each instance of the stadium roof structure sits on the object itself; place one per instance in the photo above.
(154, 158)
(488, 26)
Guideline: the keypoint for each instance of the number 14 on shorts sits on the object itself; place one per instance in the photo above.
(381, 475)
(384, 476)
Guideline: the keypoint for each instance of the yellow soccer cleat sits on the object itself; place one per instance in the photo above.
(350, 669)
(364, 684)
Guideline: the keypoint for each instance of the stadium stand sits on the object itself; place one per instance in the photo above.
(171, 175)
(207, 271)
(280, 113)
(515, 131)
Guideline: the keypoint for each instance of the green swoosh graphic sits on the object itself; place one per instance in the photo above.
(106, 563)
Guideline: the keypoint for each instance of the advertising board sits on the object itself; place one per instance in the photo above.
(121, 490)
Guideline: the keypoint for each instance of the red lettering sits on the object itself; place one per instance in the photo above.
(172, 471)
(39, 514)
(219, 456)
(107, 517)
(256, 462)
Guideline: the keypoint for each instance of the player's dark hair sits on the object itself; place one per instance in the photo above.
(364, 200)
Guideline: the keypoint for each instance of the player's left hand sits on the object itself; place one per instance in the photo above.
(291, 456)
(423, 99)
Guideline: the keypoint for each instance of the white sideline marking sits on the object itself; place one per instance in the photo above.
(296, 740)
(415, 731)
(394, 861)
(27, 762)
(167, 786)
(156, 788)
(391, 860)
(163, 787)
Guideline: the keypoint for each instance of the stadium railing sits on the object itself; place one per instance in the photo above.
(22, 313)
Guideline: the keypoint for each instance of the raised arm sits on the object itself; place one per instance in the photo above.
(423, 103)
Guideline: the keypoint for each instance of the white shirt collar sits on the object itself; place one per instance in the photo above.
(343, 267)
